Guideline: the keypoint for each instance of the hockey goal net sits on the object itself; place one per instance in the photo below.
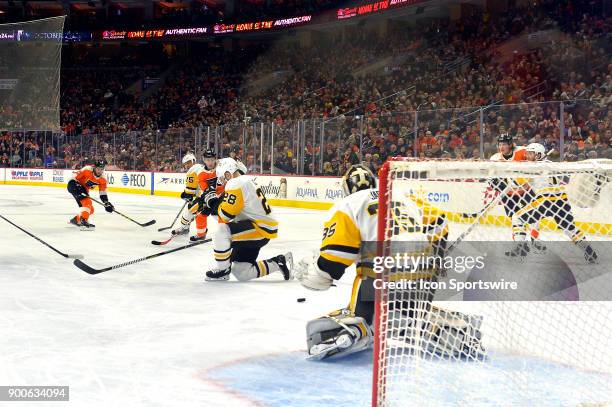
(548, 342)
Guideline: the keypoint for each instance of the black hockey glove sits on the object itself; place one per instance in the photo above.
(211, 206)
(109, 207)
(186, 197)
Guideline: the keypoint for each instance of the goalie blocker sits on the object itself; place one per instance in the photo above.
(351, 222)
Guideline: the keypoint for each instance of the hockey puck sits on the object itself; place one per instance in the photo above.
(301, 300)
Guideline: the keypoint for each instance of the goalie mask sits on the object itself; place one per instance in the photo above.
(538, 149)
(357, 178)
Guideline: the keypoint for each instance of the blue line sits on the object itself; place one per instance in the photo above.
(152, 183)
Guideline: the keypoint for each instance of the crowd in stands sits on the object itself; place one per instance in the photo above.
(440, 90)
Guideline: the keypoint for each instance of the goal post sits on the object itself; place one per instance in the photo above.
(546, 342)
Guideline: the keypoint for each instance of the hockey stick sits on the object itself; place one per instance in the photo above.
(68, 256)
(91, 270)
(174, 221)
(149, 223)
(163, 242)
(476, 222)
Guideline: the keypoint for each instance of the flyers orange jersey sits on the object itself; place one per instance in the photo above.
(86, 177)
(198, 179)
(518, 154)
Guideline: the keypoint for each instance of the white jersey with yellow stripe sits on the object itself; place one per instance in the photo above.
(548, 186)
(243, 200)
(354, 220)
(192, 178)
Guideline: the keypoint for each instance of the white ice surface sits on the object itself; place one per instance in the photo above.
(150, 333)
(155, 334)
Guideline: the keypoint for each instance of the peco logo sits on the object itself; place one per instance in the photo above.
(134, 180)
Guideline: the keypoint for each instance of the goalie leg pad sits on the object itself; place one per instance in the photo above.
(338, 334)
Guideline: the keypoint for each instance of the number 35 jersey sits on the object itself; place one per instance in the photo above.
(350, 221)
(243, 200)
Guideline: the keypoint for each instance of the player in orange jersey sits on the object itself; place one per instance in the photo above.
(89, 177)
(507, 151)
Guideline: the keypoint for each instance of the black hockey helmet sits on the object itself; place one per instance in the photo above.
(505, 138)
(358, 177)
(209, 153)
(101, 163)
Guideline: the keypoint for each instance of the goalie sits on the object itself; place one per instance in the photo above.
(352, 222)
(550, 200)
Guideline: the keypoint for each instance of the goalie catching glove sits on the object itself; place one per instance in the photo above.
(311, 276)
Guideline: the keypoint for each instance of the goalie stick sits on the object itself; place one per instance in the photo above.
(149, 223)
(68, 256)
(90, 270)
(174, 221)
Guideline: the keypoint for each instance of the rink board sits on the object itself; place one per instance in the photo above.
(317, 193)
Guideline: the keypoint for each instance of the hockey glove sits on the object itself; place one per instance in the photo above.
(308, 273)
(109, 207)
(186, 197)
(211, 203)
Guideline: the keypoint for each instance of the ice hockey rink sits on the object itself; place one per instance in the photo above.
(156, 334)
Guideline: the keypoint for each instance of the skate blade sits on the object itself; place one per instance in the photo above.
(216, 279)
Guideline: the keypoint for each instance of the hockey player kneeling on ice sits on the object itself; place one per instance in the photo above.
(550, 200)
(246, 225)
(87, 178)
(352, 222)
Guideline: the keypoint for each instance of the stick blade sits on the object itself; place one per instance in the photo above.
(162, 229)
(158, 243)
(85, 267)
(149, 223)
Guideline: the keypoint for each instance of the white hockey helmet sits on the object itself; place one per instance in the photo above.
(188, 157)
(538, 149)
(224, 166)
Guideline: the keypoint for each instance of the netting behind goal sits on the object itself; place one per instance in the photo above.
(30, 60)
(546, 226)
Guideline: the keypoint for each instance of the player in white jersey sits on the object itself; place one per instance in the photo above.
(550, 200)
(350, 225)
(199, 179)
(246, 224)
